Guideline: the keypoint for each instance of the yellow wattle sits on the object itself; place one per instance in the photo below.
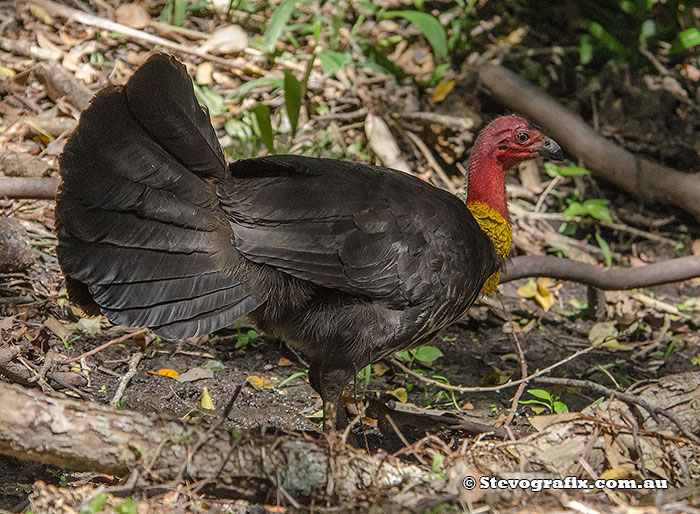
(498, 229)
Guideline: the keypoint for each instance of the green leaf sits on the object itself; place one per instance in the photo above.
(332, 62)
(608, 40)
(605, 247)
(560, 408)
(426, 353)
(95, 505)
(540, 393)
(292, 377)
(438, 460)
(585, 49)
(277, 23)
(565, 171)
(292, 97)
(128, 506)
(429, 25)
(262, 116)
(403, 355)
(214, 102)
(238, 129)
(179, 12)
(689, 38)
(596, 208)
(244, 90)
(364, 374)
(648, 30)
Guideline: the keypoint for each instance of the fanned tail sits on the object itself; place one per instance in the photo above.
(136, 214)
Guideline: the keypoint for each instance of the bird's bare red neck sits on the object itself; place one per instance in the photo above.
(487, 179)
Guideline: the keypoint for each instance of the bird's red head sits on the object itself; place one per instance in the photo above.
(505, 142)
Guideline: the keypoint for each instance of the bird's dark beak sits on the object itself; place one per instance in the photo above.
(551, 150)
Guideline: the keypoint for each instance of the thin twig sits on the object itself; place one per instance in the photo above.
(546, 191)
(440, 119)
(101, 23)
(559, 216)
(523, 367)
(432, 162)
(625, 397)
(124, 382)
(359, 113)
(482, 389)
(119, 339)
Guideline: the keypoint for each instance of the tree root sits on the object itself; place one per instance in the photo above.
(674, 270)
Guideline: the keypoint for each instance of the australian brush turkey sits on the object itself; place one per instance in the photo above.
(345, 261)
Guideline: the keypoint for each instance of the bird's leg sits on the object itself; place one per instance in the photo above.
(329, 381)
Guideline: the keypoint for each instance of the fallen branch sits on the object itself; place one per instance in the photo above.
(60, 83)
(28, 187)
(642, 178)
(91, 437)
(674, 270)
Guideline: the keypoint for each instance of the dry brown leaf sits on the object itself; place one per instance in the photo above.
(68, 40)
(379, 368)
(383, 144)
(40, 14)
(695, 247)
(226, 40)
(7, 323)
(132, 15)
(194, 374)
(259, 382)
(539, 423)
(442, 90)
(44, 42)
(63, 331)
(204, 74)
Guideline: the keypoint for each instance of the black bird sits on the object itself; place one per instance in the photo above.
(345, 261)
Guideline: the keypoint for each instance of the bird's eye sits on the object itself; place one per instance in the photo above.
(522, 137)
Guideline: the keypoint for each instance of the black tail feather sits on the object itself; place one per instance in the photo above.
(136, 217)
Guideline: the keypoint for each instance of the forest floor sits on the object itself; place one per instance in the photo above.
(651, 332)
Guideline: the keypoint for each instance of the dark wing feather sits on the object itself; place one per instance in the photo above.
(364, 230)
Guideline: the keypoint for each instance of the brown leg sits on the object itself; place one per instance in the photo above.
(329, 382)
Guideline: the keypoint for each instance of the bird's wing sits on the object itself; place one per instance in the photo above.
(361, 229)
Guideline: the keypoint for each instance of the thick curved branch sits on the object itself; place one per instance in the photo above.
(86, 436)
(26, 187)
(674, 270)
(640, 177)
